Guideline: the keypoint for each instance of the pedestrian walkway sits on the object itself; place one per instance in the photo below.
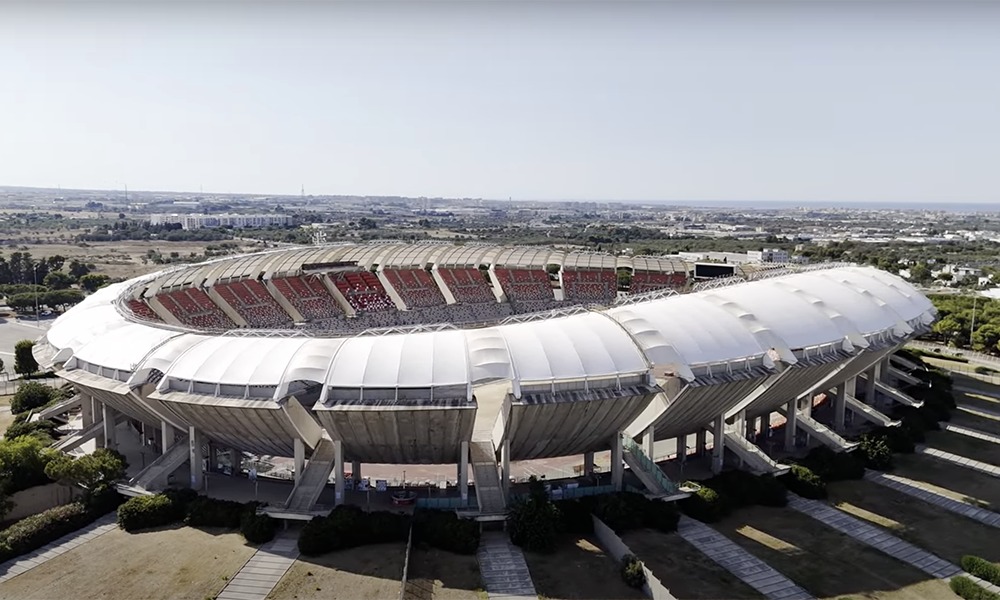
(969, 432)
(922, 491)
(502, 566)
(971, 390)
(979, 412)
(750, 569)
(875, 537)
(968, 463)
(263, 571)
(20, 564)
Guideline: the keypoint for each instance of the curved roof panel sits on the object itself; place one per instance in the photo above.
(419, 360)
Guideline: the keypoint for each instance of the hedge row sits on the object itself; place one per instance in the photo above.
(967, 589)
(174, 506)
(348, 527)
(982, 569)
(444, 530)
(805, 482)
(724, 493)
(31, 533)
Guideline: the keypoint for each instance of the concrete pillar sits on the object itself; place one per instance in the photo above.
(682, 453)
(588, 464)
(300, 458)
(791, 414)
(166, 436)
(807, 406)
(851, 387)
(195, 441)
(839, 407)
(505, 467)
(871, 378)
(719, 446)
(701, 442)
(86, 410)
(110, 437)
(463, 472)
(750, 427)
(338, 471)
(648, 440)
(356, 470)
(213, 459)
(617, 464)
(883, 370)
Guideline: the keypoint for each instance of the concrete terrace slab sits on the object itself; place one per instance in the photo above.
(748, 568)
(975, 465)
(918, 490)
(262, 571)
(21, 564)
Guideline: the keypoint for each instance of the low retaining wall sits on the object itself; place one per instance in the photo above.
(40, 498)
(617, 548)
(406, 564)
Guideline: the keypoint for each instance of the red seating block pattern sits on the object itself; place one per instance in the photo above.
(416, 287)
(524, 285)
(647, 282)
(254, 303)
(364, 291)
(590, 286)
(309, 296)
(193, 307)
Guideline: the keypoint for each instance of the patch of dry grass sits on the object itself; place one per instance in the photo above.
(578, 570)
(364, 573)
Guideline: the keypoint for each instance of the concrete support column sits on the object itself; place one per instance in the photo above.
(719, 446)
(356, 470)
(883, 370)
(617, 464)
(338, 471)
(195, 441)
(807, 406)
(839, 407)
(109, 414)
(166, 436)
(682, 451)
(86, 410)
(871, 377)
(505, 467)
(588, 464)
(213, 458)
(750, 427)
(791, 414)
(701, 442)
(648, 440)
(463, 472)
(300, 458)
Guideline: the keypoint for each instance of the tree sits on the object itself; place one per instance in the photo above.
(94, 472)
(77, 269)
(24, 360)
(31, 395)
(94, 281)
(948, 328)
(22, 463)
(920, 273)
(57, 280)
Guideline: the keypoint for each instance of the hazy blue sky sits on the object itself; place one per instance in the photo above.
(845, 102)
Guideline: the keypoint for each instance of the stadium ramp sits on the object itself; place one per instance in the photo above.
(155, 475)
(652, 477)
(821, 432)
(868, 413)
(78, 438)
(314, 478)
(752, 456)
(904, 376)
(58, 408)
(489, 488)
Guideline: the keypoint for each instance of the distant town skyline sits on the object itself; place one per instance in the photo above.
(875, 103)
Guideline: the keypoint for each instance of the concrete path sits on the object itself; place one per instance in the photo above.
(263, 571)
(20, 564)
(971, 390)
(502, 566)
(875, 537)
(923, 492)
(979, 412)
(750, 569)
(968, 463)
(969, 432)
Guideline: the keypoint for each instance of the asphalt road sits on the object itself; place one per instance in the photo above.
(13, 331)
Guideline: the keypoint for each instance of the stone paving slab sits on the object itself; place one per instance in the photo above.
(979, 412)
(975, 465)
(262, 571)
(986, 585)
(503, 568)
(969, 432)
(920, 491)
(747, 567)
(875, 537)
(21, 564)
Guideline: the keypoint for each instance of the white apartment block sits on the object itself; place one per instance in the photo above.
(238, 221)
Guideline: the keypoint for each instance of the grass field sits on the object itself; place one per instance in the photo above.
(438, 575)
(684, 570)
(163, 564)
(363, 573)
(578, 570)
(965, 483)
(825, 562)
(946, 534)
(964, 445)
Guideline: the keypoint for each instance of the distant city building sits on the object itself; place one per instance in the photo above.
(203, 221)
(768, 255)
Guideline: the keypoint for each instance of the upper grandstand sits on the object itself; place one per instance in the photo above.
(343, 289)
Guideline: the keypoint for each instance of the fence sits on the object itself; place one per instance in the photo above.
(990, 374)
(9, 386)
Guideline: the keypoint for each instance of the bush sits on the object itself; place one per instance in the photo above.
(144, 512)
(981, 568)
(574, 515)
(804, 482)
(210, 512)
(35, 531)
(625, 511)
(24, 362)
(445, 531)
(741, 488)
(349, 526)
(31, 395)
(257, 529)
(532, 520)
(966, 588)
(632, 572)
(22, 464)
(833, 466)
(875, 451)
(44, 430)
(706, 505)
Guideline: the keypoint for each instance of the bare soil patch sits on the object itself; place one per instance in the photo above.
(966, 446)
(438, 575)
(365, 573)
(163, 564)
(970, 485)
(578, 570)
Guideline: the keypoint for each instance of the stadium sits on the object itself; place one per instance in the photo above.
(477, 356)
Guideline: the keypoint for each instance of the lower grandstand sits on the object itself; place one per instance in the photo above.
(309, 296)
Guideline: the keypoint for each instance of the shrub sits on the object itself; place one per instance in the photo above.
(24, 362)
(574, 515)
(833, 466)
(144, 512)
(22, 464)
(385, 526)
(31, 395)
(706, 505)
(349, 526)
(35, 531)
(966, 588)
(632, 572)
(876, 452)
(741, 488)
(210, 512)
(44, 430)
(804, 482)
(621, 512)
(257, 529)
(661, 516)
(982, 569)
(532, 521)
(445, 531)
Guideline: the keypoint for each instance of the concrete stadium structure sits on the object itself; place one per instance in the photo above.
(187, 353)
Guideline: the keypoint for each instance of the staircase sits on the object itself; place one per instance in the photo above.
(904, 376)
(821, 432)
(868, 413)
(57, 408)
(76, 439)
(313, 478)
(651, 476)
(759, 462)
(155, 475)
(489, 491)
(897, 395)
(904, 362)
